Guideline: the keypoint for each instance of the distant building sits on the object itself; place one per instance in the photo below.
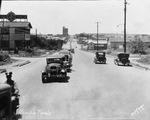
(65, 31)
(119, 42)
(14, 31)
(102, 44)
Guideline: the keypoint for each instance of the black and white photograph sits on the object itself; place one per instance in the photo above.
(74, 60)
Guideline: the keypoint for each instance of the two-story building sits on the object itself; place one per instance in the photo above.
(14, 31)
(101, 44)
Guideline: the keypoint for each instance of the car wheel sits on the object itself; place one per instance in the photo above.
(65, 74)
(124, 61)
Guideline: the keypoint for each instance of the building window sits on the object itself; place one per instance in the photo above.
(21, 31)
(5, 44)
(5, 31)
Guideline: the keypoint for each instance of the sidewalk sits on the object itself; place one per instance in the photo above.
(139, 65)
(19, 63)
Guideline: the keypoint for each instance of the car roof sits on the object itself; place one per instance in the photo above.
(99, 52)
(126, 55)
(123, 54)
(64, 52)
(55, 56)
(4, 87)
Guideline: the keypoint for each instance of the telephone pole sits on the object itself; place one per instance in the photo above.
(97, 33)
(125, 9)
(36, 34)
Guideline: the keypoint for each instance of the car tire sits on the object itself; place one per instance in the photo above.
(124, 61)
(65, 74)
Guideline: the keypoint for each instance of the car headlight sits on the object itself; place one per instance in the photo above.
(62, 70)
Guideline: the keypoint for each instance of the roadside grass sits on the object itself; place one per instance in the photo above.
(33, 53)
(144, 59)
(8, 61)
(5, 58)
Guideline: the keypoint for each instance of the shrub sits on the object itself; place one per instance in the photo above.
(4, 56)
(144, 59)
(137, 46)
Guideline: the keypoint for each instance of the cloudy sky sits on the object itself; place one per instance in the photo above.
(48, 17)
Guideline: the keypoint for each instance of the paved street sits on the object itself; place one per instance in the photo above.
(93, 91)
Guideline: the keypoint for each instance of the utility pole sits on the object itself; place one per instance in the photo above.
(36, 34)
(97, 33)
(125, 9)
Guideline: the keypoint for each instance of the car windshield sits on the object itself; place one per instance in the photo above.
(54, 60)
(37, 35)
(63, 52)
(100, 53)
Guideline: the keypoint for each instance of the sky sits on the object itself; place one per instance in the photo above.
(48, 17)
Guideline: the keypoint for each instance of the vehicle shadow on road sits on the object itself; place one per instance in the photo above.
(71, 71)
(102, 63)
(60, 80)
(126, 65)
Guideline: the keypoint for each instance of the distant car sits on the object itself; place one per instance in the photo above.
(54, 68)
(122, 59)
(68, 57)
(100, 57)
(71, 50)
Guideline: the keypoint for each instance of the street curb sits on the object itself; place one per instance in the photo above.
(23, 63)
(3, 70)
(140, 66)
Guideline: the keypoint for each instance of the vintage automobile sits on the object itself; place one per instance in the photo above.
(5, 102)
(55, 68)
(8, 103)
(123, 59)
(68, 57)
(100, 57)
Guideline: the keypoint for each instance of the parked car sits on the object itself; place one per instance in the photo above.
(122, 59)
(100, 57)
(55, 68)
(68, 57)
(5, 102)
